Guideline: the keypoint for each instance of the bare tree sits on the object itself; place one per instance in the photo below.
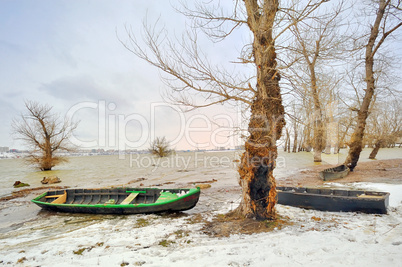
(387, 20)
(383, 125)
(45, 133)
(317, 44)
(160, 147)
(190, 73)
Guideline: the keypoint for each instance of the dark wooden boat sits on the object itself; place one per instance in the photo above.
(334, 173)
(119, 200)
(334, 199)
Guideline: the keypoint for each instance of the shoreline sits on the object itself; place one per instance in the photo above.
(375, 171)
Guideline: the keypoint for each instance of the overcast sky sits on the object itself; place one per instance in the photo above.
(67, 54)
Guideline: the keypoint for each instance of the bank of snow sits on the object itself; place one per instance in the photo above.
(314, 239)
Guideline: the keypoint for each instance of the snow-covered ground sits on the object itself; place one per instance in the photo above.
(313, 239)
(31, 237)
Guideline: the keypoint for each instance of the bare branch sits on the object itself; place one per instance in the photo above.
(189, 69)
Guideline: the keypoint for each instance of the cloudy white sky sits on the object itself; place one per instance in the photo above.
(67, 54)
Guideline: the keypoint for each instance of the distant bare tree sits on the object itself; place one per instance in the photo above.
(387, 19)
(160, 147)
(384, 125)
(317, 44)
(45, 133)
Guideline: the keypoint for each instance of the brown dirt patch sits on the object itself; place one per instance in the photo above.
(204, 182)
(224, 225)
(375, 171)
(203, 186)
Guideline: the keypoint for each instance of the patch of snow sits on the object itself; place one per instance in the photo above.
(314, 238)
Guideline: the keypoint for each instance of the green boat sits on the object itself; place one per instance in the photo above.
(124, 200)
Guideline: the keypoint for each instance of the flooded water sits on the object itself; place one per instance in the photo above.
(179, 170)
(112, 170)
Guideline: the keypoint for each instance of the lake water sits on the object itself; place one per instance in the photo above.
(100, 171)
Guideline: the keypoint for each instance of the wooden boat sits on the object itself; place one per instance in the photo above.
(119, 200)
(334, 199)
(334, 173)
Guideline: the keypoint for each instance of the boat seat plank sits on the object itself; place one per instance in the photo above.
(130, 198)
(61, 199)
(166, 196)
(100, 193)
(370, 196)
(54, 196)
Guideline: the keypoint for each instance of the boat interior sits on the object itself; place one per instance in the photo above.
(119, 196)
(339, 168)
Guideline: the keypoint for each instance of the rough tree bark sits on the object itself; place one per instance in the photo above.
(356, 141)
(267, 118)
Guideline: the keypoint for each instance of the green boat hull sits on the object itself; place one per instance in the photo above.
(123, 200)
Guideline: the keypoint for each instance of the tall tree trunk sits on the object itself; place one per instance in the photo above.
(356, 142)
(267, 118)
(287, 140)
(300, 145)
(318, 124)
(328, 138)
(376, 148)
(294, 150)
(47, 159)
(308, 139)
